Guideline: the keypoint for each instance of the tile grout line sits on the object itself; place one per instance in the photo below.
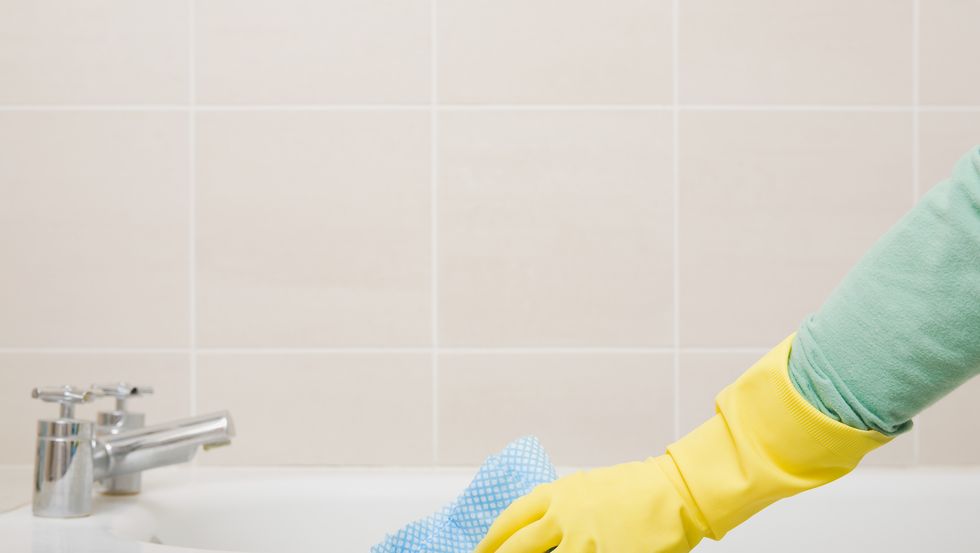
(555, 107)
(192, 205)
(675, 129)
(585, 350)
(91, 351)
(796, 107)
(498, 107)
(433, 223)
(915, 100)
(915, 158)
(945, 109)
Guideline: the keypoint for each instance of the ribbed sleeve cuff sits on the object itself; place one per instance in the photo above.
(846, 441)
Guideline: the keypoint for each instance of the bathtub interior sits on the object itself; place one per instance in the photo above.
(250, 510)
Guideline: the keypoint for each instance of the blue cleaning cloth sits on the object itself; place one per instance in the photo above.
(460, 526)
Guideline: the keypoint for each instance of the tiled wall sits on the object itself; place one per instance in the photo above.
(405, 232)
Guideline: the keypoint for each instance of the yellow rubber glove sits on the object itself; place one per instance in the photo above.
(765, 443)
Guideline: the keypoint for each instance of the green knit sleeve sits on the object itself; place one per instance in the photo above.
(902, 329)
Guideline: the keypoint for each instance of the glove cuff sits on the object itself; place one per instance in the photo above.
(847, 443)
(765, 443)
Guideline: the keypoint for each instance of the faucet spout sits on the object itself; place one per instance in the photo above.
(160, 445)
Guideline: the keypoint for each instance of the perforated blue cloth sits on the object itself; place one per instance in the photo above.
(460, 526)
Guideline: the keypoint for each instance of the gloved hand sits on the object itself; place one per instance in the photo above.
(765, 443)
(622, 509)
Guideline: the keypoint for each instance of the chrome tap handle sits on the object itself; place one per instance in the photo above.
(63, 456)
(66, 396)
(121, 391)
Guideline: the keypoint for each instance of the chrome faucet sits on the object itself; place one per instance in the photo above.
(71, 455)
(63, 463)
(116, 421)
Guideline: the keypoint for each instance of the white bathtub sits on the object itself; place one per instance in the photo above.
(338, 511)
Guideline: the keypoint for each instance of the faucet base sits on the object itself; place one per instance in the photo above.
(128, 484)
(110, 423)
(63, 469)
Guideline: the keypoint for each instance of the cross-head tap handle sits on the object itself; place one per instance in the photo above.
(121, 391)
(66, 396)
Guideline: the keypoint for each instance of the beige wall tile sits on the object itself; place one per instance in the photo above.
(812, 52)
(301, 409)
(949, 430)
(94, 52)
(948, 41)
(944, 137)
(540, 52)
(313, 229)
(169, 374)
(309, 52)
(702, 376)
(555, 228)
(95, 219)
(771, 220)
(587, 409)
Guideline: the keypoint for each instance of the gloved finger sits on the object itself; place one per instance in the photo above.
(521, 513)
(540, 537)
